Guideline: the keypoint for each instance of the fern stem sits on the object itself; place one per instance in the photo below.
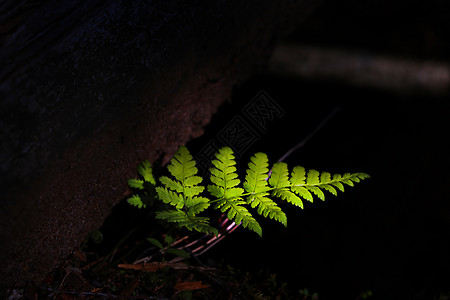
(269, 189)
(302, 143)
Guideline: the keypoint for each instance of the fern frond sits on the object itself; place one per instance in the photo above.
(199, 224)
(186, 186)
(279, 180)
(287, 195)
(136, 200)
(196, 205)
(298, 176)
(225, 181)
(268, 208)
(325, 179)
(182, 167)
(145, 170)
(304, 183)
(224, 174)
(312, 180)
(170, 197)
(171, 184)
(257, 174)
(240, 214)
(143, 200)
(279, 177)
(183, 193)
(256, 186)
(136, 183)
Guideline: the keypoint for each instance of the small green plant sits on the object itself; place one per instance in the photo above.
(167, 249)
(185, 194)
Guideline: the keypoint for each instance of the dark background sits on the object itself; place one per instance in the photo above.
(389, 234)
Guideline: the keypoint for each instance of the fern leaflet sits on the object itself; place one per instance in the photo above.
(183, 192)
(148, 184)
(256, 185)
(281, 185)
(225, 181)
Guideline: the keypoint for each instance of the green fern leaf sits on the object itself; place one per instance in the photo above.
(192, 180)
(223, 174)
(329, 189)
(317, 191)
(185, 186)
(136, 183)
(256, 185)
(316, 182)
(312, 180)
(298, 182)
(145, 170)
(268, 208)
(336, 181)
(199, 224)
(191, 191)
(171, 215)
(239, 213)
(216, 191)
(325, 177)
(347, 179)
(313, 177)
(257, 174)
(183, 193)
(287, 195)
(325, 180)
(303, 193)
(171, 184)
(225, 181)
(362, 176)
(196, 205)
(136, 200)
(182, 166)
(170, 197)
(298, 176)
(350, 178)
(147, 197)
(233, 193)
(225, 170)
(279, 177)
